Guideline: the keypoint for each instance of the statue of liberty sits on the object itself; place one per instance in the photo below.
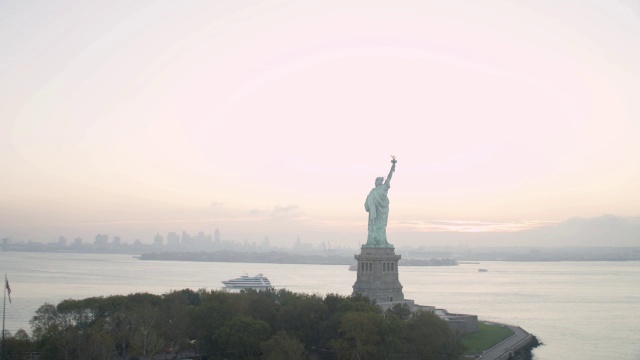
(377, 205)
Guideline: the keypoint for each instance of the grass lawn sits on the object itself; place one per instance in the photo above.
(487, 336)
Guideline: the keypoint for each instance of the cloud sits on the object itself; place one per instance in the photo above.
(289, 211)
(605, 230)
(469, 225)
(601, 231)
(277, 212)
(215, 205)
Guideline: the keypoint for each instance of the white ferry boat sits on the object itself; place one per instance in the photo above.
(248, 282)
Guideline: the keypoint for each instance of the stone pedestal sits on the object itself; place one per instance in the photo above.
(378, 275)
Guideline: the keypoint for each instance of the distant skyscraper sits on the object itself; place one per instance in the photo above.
(202, 240)
(173, 240)
(101, 240)
(186, 239)
(158, 240)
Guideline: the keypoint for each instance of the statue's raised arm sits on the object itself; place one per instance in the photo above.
(393, 168)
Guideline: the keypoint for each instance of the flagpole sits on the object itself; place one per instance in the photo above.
(4, 306)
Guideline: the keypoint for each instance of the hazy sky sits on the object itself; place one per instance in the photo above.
(275, 117)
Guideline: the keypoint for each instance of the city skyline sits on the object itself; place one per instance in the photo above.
(275, 118)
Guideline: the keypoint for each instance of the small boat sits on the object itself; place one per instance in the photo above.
(483, 270)
(248, 282)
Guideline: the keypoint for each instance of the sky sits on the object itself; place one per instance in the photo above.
(273, 118)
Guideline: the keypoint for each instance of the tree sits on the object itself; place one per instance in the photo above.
(283, 346)
(395, 335)
(338, 306)
(146, 339)
(47, 329)
(120, 326)
(262, 305)
(174, 321)
(216, 309)
(235, 326)
(99, 346)
(401, 310)
(18, 346)
(360, 336)
(80, 313)
(241, 337)
(45, 322)
(358, 302)
(302, 316)
(429, 337)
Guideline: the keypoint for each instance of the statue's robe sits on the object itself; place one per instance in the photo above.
(377, 205)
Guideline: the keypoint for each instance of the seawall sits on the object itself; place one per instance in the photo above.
(518, 342)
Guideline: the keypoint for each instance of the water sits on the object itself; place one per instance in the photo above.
(579, 310)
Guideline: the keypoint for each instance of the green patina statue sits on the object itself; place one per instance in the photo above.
(377, 205)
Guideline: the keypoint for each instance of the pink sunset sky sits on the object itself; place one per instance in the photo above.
(273, 118)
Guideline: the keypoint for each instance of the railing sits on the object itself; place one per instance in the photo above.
(501, 323)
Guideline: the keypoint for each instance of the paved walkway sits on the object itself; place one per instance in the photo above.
(506, 345)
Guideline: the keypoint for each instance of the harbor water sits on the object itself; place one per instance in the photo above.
(578, 310)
